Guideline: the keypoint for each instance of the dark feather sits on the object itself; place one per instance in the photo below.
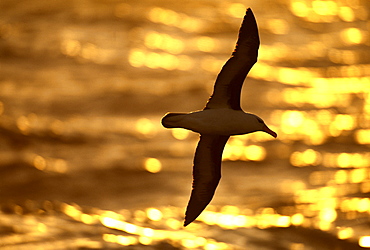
(229, 82)
(206, 174)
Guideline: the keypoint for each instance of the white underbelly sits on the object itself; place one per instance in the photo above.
(216, 121)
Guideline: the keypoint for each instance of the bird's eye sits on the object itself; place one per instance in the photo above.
(259, 120)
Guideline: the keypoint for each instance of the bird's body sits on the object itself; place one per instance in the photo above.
(221, 118)
(223, 121)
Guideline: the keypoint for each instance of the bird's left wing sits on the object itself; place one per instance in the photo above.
(206, 174)
(229, 82)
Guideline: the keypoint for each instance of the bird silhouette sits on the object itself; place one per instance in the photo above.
(221, 118)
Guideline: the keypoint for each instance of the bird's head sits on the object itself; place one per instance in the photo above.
(261, 126)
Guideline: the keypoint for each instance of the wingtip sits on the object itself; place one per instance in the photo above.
(249, 21)
(194, 209)
(249, 12)
(249, 16)
(190, 216)
(188, 220)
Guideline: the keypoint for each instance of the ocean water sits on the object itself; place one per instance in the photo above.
(86, 164)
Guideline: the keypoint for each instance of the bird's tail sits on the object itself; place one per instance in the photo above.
(171, 120)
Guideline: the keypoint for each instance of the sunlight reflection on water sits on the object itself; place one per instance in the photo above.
(83, 88)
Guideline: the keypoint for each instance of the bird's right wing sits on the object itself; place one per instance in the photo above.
(206, 174)
(229, 82)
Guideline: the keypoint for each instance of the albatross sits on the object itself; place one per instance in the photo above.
(221, 118)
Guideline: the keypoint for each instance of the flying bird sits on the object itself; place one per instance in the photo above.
(221, 118)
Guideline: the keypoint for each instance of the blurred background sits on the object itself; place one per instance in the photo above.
(86, 164)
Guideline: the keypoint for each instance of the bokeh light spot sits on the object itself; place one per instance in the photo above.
(345, 233)
(255, 153)
(180, 134)
(145, 127)
(236, 10)
(278, 26)
(23, 124)
(205, 44)
(154, 214)
(299, 8)
(39, 162)
(346, 14)
(297, 219)
(328, 214)
(153, 165)
(340, 177)
(352, 36)
(71, 47)
(364, 241)
(136, 58)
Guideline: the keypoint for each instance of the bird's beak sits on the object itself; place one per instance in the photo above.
(269, 131)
